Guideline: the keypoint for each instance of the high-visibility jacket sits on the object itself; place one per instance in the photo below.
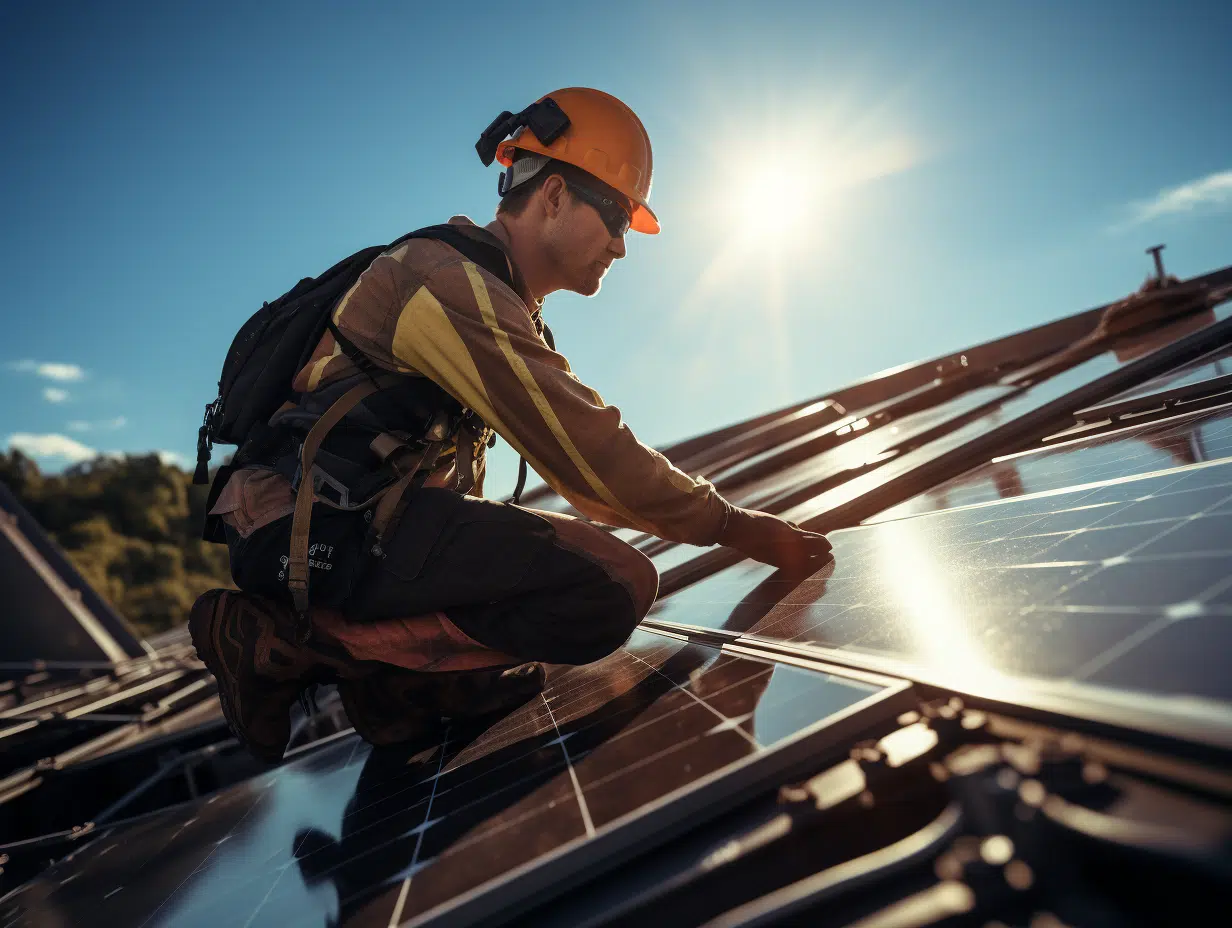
(422, 309)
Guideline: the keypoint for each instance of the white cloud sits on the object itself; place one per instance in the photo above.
(52, 370)
(54, 394)
(173, 459)
(100, 425)
(1212, 192)
(50, 446)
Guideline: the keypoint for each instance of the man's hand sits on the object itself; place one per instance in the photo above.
(772, 540)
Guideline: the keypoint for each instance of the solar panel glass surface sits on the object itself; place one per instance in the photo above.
(1029, 400)
(802, 492)
(1217, 363)
(1124, 584)
(1152, 446)
(612, 754)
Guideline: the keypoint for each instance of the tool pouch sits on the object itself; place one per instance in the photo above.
(336, 555)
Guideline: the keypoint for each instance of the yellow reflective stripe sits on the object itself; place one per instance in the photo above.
(342, 303)
(318, 367)
(424, 327)
(518, 363)
(425, 338)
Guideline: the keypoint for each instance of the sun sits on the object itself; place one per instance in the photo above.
(773, 198)
(776, 197)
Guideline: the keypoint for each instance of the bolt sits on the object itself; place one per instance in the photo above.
(1154, 251)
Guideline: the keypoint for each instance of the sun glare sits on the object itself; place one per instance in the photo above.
(772, 202)
(777, 196)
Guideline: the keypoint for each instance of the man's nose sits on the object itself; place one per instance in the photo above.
(617, 246)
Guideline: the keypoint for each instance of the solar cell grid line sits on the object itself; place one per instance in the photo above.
(396, 916)
(251, 861)
(638, 774)
(577, 789)
(651, 741)
(723, 720)
(1135, 449)
(210, 851)
(1119, 585)
(461, 846)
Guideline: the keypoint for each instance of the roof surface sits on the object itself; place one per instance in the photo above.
(1031, 598)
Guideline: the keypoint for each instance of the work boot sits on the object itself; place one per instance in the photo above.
(390, 707)
(249, 644)
(394, 706)
(472, 694)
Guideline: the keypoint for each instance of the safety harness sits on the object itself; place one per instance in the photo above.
(371, 466)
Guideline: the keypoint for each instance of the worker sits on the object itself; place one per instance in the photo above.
(454, 607)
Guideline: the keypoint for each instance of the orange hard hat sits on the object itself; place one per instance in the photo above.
(604, 138)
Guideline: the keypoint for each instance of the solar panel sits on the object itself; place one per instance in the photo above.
(1126, 584)
(849, 483)
(804, 490)
(1030, 400)
(1185, 439)
(804, 465)
(869, 449)
(1210, 367)
(1025, 417)
(614, 755)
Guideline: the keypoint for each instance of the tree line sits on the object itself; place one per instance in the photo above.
(132, 526)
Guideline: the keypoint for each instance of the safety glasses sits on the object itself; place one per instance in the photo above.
(615, 216)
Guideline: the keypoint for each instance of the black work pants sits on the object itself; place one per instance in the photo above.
(535, 585)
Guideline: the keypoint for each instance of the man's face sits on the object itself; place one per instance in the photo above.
(581, 246)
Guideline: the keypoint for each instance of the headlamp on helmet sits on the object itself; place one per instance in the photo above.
(544, 118)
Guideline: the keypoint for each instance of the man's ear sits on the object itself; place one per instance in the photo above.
(553, 192)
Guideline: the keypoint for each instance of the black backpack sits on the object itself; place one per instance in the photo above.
(279, 338)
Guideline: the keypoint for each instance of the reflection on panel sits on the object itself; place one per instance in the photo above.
(358, 836)
(834, 480)
(839, 477)
(1125, 584)
(1217, 363)
(804, 480)
(1032, 400)
(861, 452)
(1138, 450)
(673, 555)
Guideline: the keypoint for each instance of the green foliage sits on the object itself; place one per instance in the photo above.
(132, 526)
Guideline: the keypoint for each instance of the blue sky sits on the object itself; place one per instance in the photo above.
(843, 187)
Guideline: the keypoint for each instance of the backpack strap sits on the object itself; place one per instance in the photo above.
(516, 499)
(297, 564)
(488, 256)
(491, 258)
